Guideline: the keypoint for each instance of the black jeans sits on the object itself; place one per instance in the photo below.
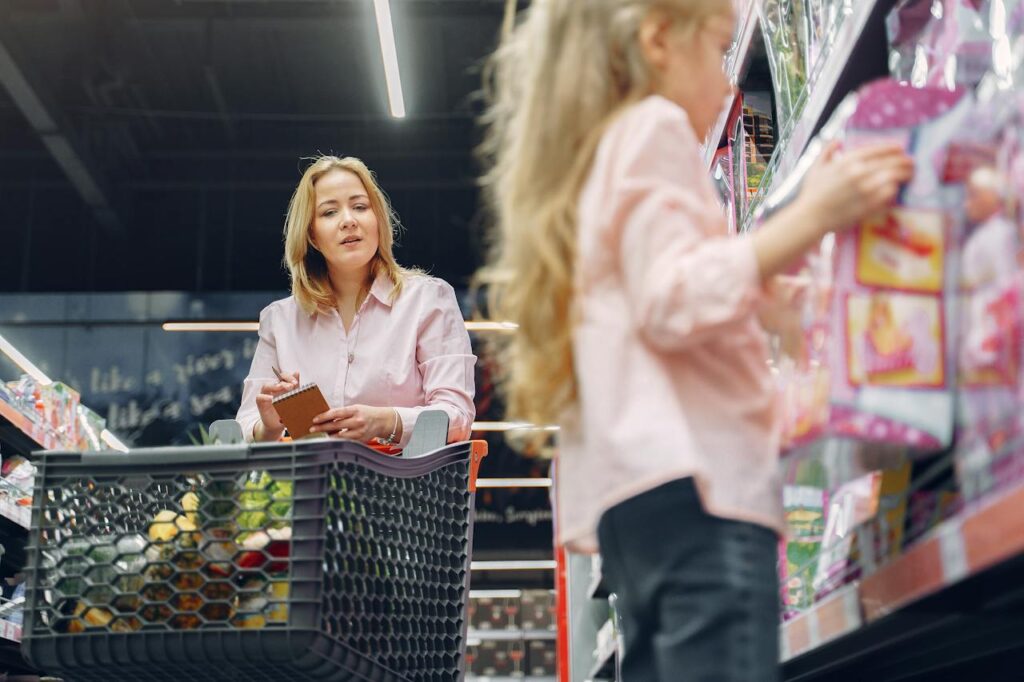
(698, 595)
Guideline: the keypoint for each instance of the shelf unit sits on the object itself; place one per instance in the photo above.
(511, 635)
(18, 435)
(959, 586)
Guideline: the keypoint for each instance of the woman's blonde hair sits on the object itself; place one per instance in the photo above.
(311, 283)
(553, 86)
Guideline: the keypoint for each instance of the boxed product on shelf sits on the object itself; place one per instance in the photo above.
(537, 610)
(541, 657)
(497, 658)
(57, 417)
(494, 613)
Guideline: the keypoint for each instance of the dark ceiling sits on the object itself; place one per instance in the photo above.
(153, 144)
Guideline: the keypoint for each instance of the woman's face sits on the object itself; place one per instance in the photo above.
(345, 228)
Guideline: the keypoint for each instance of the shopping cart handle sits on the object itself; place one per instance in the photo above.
(429, 434)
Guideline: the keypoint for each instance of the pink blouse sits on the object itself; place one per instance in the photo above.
(672, 365)
(412, 355)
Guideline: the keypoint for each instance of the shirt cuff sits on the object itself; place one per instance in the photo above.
(408, 416)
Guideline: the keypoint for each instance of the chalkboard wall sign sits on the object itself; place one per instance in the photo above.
(157, 388)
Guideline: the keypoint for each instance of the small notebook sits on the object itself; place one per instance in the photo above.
(298, 408)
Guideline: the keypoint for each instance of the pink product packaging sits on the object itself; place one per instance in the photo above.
(943, 43)
(875, 362)
(989, 454)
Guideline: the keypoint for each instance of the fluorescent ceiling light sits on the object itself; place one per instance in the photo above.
(512, 565)
(24, 363)
(510, 426)
(513, 483)
(382, 10)
(211, 326)
(478, 326)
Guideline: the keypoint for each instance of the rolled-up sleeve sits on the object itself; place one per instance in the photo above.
(260, 373)
(684, 276)
(446, 364)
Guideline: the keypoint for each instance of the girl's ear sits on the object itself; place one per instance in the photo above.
(654, 38)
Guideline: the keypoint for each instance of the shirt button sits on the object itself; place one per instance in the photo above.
(351, 358)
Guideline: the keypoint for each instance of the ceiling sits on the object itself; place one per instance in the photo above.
(153, 144)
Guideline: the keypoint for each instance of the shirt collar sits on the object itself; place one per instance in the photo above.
(382, 288)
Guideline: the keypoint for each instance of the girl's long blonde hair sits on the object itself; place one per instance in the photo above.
(311, 284)
(553, 86)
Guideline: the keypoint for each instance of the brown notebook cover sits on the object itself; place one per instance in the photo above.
(298, 408)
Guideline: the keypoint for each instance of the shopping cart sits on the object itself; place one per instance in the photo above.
(319, 560)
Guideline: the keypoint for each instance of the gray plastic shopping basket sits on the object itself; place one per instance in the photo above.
(321, 560)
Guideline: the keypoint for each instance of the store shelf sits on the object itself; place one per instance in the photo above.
(954, 597)
(734, 67)
(854, 58)
(18, 430)
(833, 617)
(16, 514)
(511, 635)
(528, 678)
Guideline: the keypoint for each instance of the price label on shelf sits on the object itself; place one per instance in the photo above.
(953, 551)
(10, 631)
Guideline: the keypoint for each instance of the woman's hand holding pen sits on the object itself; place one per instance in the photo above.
(269, 427)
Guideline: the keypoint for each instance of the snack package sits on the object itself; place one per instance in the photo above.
(785, 29)
(866, 526)
(804, 502)
(875, 361)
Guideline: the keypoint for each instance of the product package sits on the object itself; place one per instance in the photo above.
(951, 43)
(804, 502)
(989, 453)
(786, 32)
(875, 362)
(866, 520)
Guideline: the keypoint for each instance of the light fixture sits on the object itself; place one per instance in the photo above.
(542, 565)
(24, 363)
(483, 326)
(211, 326)
(513, 483)
(386, 33)
(243, 326)
(510, 426)
(110, 439)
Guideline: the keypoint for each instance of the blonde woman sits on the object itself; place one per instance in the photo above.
(383, 343)
(637, 317)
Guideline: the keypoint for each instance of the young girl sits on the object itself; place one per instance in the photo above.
(637, 316)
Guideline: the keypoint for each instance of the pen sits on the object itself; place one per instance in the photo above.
(277, 373)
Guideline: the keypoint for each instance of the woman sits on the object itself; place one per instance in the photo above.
(383, 343)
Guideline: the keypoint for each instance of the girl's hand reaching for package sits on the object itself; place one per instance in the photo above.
(362, 423)
(844, 188)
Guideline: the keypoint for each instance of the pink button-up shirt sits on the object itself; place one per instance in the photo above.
(413, 355)
(671, 363)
